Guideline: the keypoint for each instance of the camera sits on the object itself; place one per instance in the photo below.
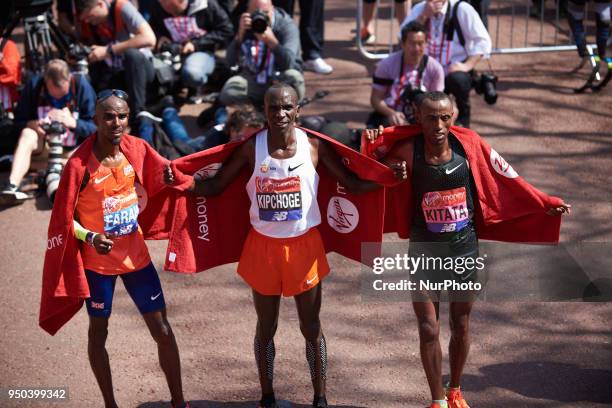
(485, 84)
(167, 63)
(55, 165)
(259, 21)
(77, 56)
(409, 98)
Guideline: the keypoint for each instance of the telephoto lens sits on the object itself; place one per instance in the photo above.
(55, 165)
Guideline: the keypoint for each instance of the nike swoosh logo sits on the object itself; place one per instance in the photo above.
(98, 181)
(293, 168)
(156, 296)
(309, 281)
(449, 171)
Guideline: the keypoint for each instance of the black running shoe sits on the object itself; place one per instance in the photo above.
(267, 401)
(319, 402)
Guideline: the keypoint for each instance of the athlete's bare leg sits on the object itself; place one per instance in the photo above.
(266, 308)
(168, 352)
(428, 317)
(98, 358)
(308, 307)
(459, 345)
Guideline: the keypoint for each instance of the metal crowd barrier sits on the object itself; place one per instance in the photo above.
(514, 29)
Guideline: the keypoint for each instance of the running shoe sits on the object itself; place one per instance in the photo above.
(455, 398)
(319, 402)
(183, 405)
(318, 65)
(367, 37)
(269, 405)
(267, 401)
(437, 405)
(11, 195)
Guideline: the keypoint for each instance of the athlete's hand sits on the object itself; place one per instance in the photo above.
(397, 118)
(563, 209)
(399, 169)
(372, 134)
(168, 175)
(102, 243)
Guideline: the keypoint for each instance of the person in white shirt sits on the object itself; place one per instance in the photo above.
(458, 39)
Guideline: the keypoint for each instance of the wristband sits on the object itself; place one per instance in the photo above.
(109, 50)
(89, 238)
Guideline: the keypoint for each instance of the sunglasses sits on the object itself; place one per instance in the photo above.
(107, 93)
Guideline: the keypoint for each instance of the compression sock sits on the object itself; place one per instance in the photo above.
(316, 355)
(265, 359)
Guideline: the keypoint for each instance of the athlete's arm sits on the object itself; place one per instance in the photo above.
(347, 178)
(230, 170)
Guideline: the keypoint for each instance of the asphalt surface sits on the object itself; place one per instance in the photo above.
(524, 353)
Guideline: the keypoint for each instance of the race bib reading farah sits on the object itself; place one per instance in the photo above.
(445, 211)
(279, 199)
(121, 215)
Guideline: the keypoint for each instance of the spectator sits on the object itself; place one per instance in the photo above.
(120, 39)
(56, 96)
(312, 25)
(369, 7)
(243, 121)
(200, 26)
(458, 42)
(261, 56)
(10, 73)
(402, 75)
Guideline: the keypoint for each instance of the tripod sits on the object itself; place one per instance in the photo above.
(41, 33)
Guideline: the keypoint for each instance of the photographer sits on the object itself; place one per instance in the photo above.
(59, 97)
(200, 27)
(266, 44)
(401, 76)
(458, 39)
(120, 39)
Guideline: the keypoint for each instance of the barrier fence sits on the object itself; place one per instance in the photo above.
(515, 27)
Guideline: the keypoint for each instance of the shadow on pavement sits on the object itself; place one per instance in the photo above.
(234, 404)
(545, 380)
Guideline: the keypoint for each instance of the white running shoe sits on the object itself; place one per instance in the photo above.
(318, 65)
(11, 195)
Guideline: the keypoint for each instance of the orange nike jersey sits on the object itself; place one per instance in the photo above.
(109, 204)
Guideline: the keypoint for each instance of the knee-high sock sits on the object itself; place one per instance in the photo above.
(316, 354)
(264, 358)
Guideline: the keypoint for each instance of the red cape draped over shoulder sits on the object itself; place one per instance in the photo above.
(508, 208)
(210, 231)
(64, 286)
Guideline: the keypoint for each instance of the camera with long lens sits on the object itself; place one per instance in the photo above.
(55, 165)
(259, 21)
(409, 98)
(77, 57)
(485, 84)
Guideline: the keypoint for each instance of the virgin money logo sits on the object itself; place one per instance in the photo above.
(143, 197)
(501, 166)
(342, 215)
(208, 171)
(111, 205)
(432, 198)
